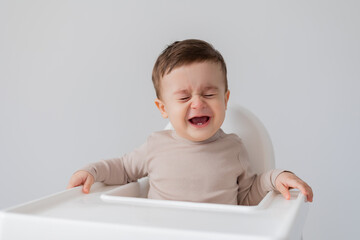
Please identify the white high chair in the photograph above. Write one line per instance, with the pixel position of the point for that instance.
(124, 212)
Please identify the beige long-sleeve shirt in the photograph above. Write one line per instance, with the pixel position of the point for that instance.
(213, 171)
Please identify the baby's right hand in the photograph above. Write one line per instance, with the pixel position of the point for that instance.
(81, 178)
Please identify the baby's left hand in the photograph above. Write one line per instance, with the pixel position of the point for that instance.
(288, 180)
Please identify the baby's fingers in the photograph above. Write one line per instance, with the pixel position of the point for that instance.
(74, 182)
(87, 185)
(81, 178)
(287, 180)
(284, 191)
(305, 190)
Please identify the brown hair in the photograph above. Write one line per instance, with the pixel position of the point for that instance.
(182, 53)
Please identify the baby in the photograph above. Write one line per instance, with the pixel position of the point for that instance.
(196, 161)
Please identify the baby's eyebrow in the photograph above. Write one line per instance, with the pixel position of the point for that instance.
(181, 91)
(184, 91)
(211, 88)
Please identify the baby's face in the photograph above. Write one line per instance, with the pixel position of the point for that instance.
(193, 97)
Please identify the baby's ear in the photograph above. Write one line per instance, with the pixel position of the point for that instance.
(161, 106)
(227, 95)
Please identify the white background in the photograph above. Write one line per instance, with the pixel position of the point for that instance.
(75, 87)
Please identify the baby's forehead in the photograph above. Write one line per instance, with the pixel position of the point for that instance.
(189, 64)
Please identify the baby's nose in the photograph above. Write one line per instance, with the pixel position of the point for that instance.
(197, 102)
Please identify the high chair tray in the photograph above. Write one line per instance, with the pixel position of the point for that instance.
(104, 215)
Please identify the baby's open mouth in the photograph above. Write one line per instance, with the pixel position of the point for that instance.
(198, 121)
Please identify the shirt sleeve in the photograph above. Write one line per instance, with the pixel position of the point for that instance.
(125, 169)
(253, 187)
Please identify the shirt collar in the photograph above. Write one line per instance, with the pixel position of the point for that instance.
(219, 133)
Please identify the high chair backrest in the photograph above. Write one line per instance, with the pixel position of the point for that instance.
(248, 127)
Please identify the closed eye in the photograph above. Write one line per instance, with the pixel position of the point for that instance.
(209, 95)
(184, 98)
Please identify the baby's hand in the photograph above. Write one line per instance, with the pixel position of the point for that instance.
(81, 178)
(288, 180)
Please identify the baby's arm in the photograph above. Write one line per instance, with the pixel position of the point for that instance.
(288, 180)
(81, 178)
(127, 168)
(253, 187)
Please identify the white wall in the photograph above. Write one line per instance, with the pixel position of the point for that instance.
(75, 87)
